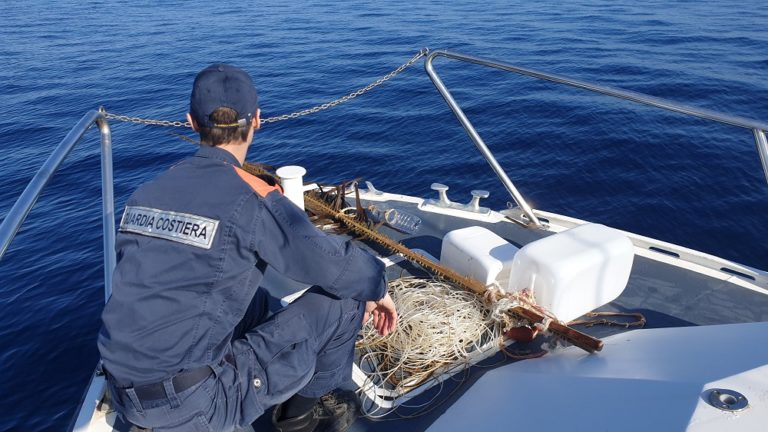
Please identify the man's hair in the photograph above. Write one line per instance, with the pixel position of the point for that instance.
(221, 135)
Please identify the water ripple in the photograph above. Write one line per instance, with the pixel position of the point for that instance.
(657, 174)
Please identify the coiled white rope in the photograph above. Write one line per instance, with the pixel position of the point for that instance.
(439, 326)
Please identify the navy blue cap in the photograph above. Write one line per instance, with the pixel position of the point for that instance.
(222, 85)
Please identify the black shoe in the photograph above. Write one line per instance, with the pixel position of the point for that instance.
(304, 423)
(335, 412)
(338, 410)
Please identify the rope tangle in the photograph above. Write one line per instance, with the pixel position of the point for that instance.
(441, 326)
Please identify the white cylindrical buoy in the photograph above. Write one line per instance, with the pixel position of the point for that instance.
(292, 180)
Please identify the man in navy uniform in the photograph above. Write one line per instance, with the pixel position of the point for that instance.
(187, 343)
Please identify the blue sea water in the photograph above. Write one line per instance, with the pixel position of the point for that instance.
(664, 175)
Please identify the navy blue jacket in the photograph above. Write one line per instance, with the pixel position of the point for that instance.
(187, 252)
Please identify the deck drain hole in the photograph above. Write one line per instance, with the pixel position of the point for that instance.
(736, 273)
(664, 251)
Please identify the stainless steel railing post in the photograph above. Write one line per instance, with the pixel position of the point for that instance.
(477, 140)
(18, 213)
(762, 148)
(107, 204)
(758, 128)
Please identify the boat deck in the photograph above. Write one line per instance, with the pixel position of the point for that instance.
(669, 292)
(667, 295)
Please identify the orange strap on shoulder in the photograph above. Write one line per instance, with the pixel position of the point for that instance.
(258, 185)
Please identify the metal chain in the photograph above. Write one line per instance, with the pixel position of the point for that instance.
(422, 52)
(128, 119)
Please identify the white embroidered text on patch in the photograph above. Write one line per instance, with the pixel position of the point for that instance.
(184, 228)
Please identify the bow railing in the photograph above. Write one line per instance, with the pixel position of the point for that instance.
(758, 128)
(18, 213)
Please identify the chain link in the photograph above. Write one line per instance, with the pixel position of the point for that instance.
(422, 52)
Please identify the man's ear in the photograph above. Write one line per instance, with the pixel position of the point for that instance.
(192, 122)
(257, 119)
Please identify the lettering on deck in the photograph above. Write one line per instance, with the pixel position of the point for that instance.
(184, 228)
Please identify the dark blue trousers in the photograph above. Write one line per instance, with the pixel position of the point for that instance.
(305, 348)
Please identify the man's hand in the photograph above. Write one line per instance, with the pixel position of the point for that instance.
(384, 315)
